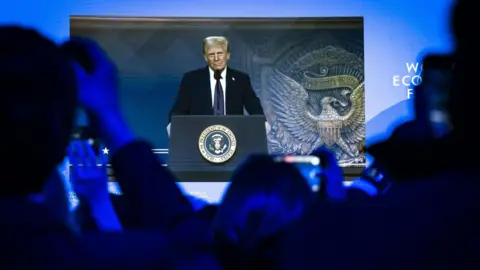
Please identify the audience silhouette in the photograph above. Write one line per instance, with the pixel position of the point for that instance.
(266, 196)
(269, 218)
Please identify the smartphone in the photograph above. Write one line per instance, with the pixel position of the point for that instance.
(436, 86)
(309, 167)
(111, 175)
(85, 133)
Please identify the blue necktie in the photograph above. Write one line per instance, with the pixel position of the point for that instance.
(218, 102)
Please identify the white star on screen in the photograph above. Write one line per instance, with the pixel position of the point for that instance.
(105, 151)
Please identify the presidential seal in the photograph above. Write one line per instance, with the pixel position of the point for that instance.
(217, 144)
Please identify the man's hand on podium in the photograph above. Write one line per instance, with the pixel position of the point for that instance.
(168, 129)
(267, 127)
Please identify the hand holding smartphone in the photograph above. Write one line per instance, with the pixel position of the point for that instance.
(435, 88)
(309, 167)
(84, 133)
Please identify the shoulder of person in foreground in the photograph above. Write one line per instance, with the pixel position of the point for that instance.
(325, 236)
(93, 250)
(195, 232)
(151, 250)
(389, 230)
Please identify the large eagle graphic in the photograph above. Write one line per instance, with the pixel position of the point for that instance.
(322, 125)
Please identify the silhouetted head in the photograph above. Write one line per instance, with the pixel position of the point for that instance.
(411, 131)
(464, 21)
(465, 95)
(36, 111)
(264, 198)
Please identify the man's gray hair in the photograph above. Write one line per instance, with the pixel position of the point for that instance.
(212, 41)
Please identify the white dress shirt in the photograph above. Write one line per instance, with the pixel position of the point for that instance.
(223, 82)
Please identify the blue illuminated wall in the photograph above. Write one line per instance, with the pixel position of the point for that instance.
(396, 33)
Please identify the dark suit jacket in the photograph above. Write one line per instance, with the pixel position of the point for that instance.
(194, 94)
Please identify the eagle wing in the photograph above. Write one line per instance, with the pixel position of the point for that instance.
(289, 101)
(353, 130)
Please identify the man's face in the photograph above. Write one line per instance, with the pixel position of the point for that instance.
(217, 57)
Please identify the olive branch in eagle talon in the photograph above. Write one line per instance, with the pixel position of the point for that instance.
(290, 102)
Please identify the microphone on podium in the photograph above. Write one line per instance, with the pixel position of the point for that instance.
(217, 74)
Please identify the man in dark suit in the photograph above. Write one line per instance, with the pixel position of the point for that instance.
(216, 89)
